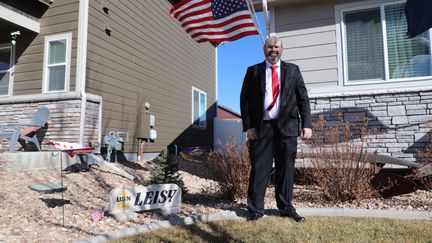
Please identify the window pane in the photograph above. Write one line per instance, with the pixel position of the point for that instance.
(196, 108)
(364, 44)
(203, 107)
(57, 51)
(56, 77)
(5, 54)
(5, 59)
(4, 83)
(407, 57)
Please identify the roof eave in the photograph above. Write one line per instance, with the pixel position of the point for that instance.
(273, 3)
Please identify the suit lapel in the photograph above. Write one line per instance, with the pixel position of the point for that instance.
(262, 77)
(284, 78)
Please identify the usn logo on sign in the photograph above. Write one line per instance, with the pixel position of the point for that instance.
(123, 200)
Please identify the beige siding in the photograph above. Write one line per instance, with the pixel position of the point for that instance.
(318, 63)
(325, 76)
(61, 17)
(147, 58)
(309, 37)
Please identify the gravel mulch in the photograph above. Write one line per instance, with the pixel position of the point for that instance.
(29, 216)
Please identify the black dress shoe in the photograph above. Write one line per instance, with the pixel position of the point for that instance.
(295, 217)
(254, 216)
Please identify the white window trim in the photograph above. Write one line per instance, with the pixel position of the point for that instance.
(199, 107)
(48, 39)
(342, 52)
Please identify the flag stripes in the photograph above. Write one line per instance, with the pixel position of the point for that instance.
(214, 20)
(98, 215)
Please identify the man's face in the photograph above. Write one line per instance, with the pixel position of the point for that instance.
(273, 50)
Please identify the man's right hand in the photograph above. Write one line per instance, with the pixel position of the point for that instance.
(251, 134)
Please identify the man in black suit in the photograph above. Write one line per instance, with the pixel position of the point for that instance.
(272, 101)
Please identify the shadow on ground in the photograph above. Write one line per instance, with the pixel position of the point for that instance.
(54, 202)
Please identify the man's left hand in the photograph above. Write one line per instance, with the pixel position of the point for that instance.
(306, 133)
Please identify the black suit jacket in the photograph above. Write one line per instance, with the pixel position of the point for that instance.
(293, 104)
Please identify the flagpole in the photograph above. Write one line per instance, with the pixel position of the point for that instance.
(266, 17)
(249, 3)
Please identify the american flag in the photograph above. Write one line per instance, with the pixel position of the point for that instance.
(214, 20)
(98, 215)
(71, 148)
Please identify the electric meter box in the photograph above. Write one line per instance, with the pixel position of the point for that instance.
(143, 129)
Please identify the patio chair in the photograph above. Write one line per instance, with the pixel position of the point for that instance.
(25, 133)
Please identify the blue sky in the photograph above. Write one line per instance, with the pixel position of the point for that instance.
(233, 60)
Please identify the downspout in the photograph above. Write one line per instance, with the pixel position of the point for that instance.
(81, 62)
(216, 75)
(216, 95)
(100, 125)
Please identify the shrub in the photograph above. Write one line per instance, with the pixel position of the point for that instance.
(231, 168)
(340, 166)
(425, 158)
(165, 170)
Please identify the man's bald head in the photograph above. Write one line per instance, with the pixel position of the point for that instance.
(273, 48)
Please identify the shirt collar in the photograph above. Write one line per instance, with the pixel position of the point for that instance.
(268, 65)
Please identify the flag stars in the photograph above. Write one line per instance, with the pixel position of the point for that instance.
(223, 8)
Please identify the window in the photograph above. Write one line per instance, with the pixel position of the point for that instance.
(199, 108)
(5, 70)
(376, 49)
(57, 63)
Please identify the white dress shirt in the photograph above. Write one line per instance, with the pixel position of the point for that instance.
(268, 96)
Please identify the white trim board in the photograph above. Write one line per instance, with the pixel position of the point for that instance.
(345, 93)
(19, 19)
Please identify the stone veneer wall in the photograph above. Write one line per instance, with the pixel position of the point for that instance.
(63, 122)
(402, 121)
(92, 129)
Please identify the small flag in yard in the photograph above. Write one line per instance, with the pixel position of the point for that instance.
(98, 215)
(215, 20)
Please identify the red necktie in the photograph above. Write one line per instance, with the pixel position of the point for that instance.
(275, 86)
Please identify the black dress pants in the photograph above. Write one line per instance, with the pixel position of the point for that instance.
(271, 145)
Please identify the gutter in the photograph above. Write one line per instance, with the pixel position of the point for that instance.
(275, 3)
(81, 65)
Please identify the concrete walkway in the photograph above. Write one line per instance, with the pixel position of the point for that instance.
(230, 215)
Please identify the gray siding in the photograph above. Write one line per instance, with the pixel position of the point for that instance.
(147, 58)
(61, 17)
(309, 38)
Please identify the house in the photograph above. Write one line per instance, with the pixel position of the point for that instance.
(104, 66)
(356, 60)
(224, 112)
(228, 128)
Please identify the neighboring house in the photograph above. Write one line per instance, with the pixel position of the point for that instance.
(106, 65)
(356, 60)
(224, 112)
(228, 127)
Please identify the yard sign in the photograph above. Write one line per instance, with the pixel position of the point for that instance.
(141, 198)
